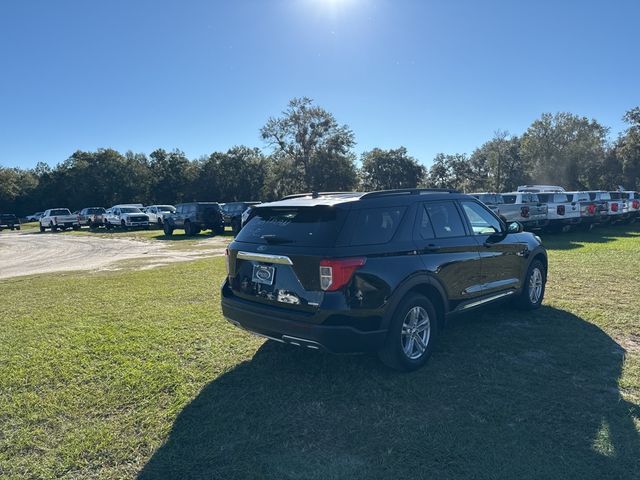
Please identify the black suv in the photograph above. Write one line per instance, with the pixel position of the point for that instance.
(232, 214)
(353, 272)
(9, 220)
(195, 217)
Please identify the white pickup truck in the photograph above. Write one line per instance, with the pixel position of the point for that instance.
(524, 207)
(58, 219)
(562, 213)
(126, 216)
(632, 204)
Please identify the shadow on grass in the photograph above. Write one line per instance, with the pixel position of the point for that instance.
(505, 395)
(599, 235)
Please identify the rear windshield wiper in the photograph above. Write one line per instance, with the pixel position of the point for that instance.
(275, 239)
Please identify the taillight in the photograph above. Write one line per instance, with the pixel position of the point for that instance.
(560, 209)
(591, 209)
(336, 273)
(614, 207)
(524, 211)
(635, 204)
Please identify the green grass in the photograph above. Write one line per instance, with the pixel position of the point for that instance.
(135, 374)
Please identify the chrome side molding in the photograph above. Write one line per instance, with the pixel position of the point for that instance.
(265, 258)
(488, 299)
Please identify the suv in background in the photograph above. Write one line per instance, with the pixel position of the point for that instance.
(10, 221)
(232, 214)
(92, 217)
(381, 271)
(195, 217)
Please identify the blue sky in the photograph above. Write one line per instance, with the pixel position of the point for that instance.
(434, 76)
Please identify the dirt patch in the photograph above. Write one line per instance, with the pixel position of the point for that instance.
(35, 253)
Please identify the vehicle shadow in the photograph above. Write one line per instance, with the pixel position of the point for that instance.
(505, 395)
(599, 235)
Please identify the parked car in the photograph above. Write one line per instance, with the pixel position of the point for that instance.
(617, 208)
(377, 271)
(58, 219)
(562, 213)
(125, 217)
(34, 217)
(605, 205)
(195, 217)
(491, 200)
(590, 214)
(232, 214)
(92, 217)
(10, 221)
(156, 213)
(632, 203)
(524, 207)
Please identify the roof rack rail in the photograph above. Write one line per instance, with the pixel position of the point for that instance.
(316, 194)
(408, 191)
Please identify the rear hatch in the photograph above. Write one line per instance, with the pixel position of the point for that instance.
(276, 257)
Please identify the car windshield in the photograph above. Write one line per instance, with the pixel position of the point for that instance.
(309, 226)
(60, 211)
(130, 210)
(166, 208)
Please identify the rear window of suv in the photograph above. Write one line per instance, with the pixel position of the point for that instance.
(309, 226)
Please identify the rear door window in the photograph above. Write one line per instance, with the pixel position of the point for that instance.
(445, 220)
(375, 226)
(316, 226)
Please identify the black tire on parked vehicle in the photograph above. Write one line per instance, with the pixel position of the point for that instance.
(42, 229)
(76, 227)
(533, 289)
(189, 229)
(18, 227)
(412, 334)
(168, 231)
(123, 225)
(53, 227)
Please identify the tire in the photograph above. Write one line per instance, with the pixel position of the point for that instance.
(18, 227)
(188, 229)
(532, 296)
(123, 225)
(402, 351)
(108, 226)
(42, 229)
(53, 227)
(76, 227)
(168, 231)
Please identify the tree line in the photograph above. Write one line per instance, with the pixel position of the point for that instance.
(308, 150)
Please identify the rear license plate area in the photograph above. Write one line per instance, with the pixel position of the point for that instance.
(263, 274)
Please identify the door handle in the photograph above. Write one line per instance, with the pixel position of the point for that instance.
(431, 248)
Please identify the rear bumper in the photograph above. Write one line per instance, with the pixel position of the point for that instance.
(295, 328)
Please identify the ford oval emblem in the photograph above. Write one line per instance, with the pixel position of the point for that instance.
(263, 274)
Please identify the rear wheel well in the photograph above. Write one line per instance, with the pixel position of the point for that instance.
(433, 294)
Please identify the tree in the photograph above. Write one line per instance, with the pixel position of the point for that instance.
(388, 169)
(451, 171)
(497, 165)
(308, 141)
(565, 149)
(235, 175)
(627, 150)
(172, 174)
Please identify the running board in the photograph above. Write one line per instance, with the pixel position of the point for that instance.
(482, 301)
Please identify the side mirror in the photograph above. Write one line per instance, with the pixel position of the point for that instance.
(515, 227)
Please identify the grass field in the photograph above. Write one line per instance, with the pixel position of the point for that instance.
(131, 374)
